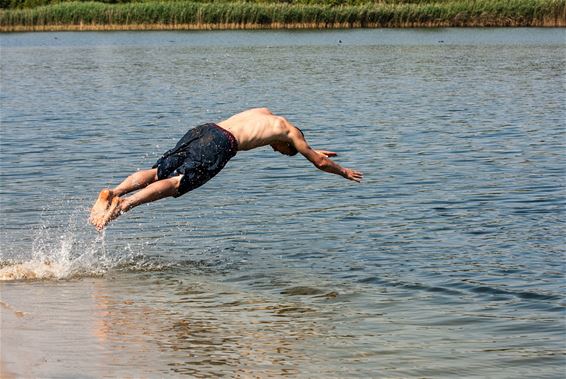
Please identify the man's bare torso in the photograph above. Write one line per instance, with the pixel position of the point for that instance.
(255, 127)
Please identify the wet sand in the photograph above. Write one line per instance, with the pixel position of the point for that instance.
(139, 326)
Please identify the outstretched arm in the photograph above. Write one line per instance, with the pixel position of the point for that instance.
(319, 158)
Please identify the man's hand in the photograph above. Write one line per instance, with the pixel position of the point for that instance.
(321, 158)
(327, 154)
(354, 175)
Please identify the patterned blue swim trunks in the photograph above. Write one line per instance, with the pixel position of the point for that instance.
(198, 156)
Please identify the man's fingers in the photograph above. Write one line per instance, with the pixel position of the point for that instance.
(356, 176)
(327, 153)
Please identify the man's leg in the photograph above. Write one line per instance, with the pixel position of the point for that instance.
(155, 191)
(137, 180)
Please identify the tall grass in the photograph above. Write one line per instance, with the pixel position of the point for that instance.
(195, 15)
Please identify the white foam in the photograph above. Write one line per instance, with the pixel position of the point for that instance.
(61, 252)
(73, 249)
(70, 258)
(34, 270)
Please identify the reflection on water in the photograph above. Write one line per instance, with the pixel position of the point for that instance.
(160, 326)
(447, 261)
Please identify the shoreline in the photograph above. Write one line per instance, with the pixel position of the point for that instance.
(187, 15)
(274, 26)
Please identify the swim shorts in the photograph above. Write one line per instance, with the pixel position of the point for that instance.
(198, 156)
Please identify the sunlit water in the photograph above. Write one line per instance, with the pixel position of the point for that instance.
(447, 261)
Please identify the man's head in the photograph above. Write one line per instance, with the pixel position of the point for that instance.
(286, 148)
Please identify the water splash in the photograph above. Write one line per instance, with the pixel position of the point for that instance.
(61, 252)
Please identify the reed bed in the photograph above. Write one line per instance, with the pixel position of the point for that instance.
(199, 15)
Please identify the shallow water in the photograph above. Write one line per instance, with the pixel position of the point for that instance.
(446, 261)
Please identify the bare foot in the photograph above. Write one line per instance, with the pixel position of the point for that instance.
(112, 212)
(101, 206)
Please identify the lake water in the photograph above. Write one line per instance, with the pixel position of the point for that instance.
(447, 261)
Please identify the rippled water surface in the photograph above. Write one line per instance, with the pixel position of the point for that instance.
(447, 261)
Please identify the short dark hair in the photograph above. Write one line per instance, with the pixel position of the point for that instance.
(292, 149)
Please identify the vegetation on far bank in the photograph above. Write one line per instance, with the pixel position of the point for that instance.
(75, 15)
(13, 4)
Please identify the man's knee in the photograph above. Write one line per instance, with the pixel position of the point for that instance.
(155, 176)
(174, 185)
(175, 181)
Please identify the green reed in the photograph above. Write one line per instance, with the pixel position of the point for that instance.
(179, 14)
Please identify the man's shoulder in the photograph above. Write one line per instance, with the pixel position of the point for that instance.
(262, 110)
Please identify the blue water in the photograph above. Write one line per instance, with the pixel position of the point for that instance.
(447, 261)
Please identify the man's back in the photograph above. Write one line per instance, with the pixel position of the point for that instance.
(255, 127)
